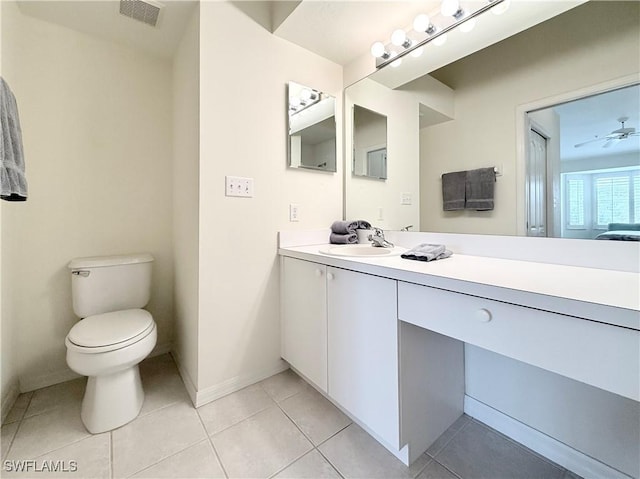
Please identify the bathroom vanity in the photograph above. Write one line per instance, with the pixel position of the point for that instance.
(383, 337)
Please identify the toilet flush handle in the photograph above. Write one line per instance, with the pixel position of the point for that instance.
(81, 272)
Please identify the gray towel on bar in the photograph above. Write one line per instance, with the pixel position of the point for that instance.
(479, 189)
(453, 190)
(349, 227)
(13, 183)
(349, 238)
(427, 252)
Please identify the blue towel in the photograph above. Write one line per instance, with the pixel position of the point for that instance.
(427, 252)
(13, 183)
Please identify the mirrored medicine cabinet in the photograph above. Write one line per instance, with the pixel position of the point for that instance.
(312, 128)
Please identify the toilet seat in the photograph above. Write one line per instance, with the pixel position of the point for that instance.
(110, 331)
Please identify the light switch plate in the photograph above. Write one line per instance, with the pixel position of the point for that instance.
(238, 186)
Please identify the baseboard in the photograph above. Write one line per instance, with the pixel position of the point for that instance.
(38, 381)
(9, 396)
(186, 378)
(236, 383)
(544, 445)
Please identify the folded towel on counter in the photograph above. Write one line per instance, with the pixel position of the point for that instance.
(13, 183)
(349, 227)
(349, 238)
(479, 189)
(453, 190)
(427, 252)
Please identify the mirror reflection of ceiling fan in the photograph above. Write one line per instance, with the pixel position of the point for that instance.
(615, 137)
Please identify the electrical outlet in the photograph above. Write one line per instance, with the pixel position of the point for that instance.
(294, 212)
(405, 198)
(238, 186)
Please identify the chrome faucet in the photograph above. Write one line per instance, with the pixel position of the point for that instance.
(378, 240)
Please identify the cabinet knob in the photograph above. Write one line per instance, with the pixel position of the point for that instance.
(318, 272)
(483, 315)
(330, 275)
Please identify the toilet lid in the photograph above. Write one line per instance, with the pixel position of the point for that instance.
(110, 328)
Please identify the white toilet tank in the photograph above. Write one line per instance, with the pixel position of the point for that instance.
(101, 284)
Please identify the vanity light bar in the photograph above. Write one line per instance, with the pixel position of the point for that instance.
(385, 56)
(305, 99)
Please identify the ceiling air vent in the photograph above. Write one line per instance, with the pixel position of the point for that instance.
(144, 11)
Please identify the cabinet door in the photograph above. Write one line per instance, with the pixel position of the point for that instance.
(363, 349)
(304, 318)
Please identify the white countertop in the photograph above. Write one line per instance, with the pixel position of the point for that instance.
(606, 296)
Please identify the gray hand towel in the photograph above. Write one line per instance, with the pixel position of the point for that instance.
(344, 227)
(349, 238)
(427, 252)
(479, 189)
(349, 227)
(13, 183)
(453, 190)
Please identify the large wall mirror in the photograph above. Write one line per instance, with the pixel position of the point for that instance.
(484, 110)
(369, 143)
(312, 128)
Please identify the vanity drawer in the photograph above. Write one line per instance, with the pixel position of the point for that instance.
(599, 354)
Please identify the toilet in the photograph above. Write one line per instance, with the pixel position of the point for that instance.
(113, 336)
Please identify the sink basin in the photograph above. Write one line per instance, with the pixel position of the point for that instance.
(360, 250)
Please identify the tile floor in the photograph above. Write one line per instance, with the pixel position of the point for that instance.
(278, 428)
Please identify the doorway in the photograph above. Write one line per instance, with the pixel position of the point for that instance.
(582, 165)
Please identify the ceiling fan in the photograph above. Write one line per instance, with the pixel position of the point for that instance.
(615, 137)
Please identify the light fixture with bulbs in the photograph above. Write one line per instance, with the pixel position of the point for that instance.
(423, 24)
(304, 99)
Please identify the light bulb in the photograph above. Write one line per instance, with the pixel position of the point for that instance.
(449, 7)
(501, 8)
(377, 49)
(421, 23)
(468, 25)
(398, 37)
(305, 94)
(416, 52)
(441, 40)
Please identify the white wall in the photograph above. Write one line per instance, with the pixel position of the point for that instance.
(366, 196)
(590, 44)
(186, 193)
(96, 123)
(620, 160)
(243, 132)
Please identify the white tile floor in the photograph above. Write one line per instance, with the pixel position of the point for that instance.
(278, 428)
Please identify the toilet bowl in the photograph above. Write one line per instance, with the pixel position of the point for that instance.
(110, 356)
(108, 343)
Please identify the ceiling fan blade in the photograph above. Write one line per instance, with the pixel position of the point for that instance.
(611, 142)
(589, 141)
